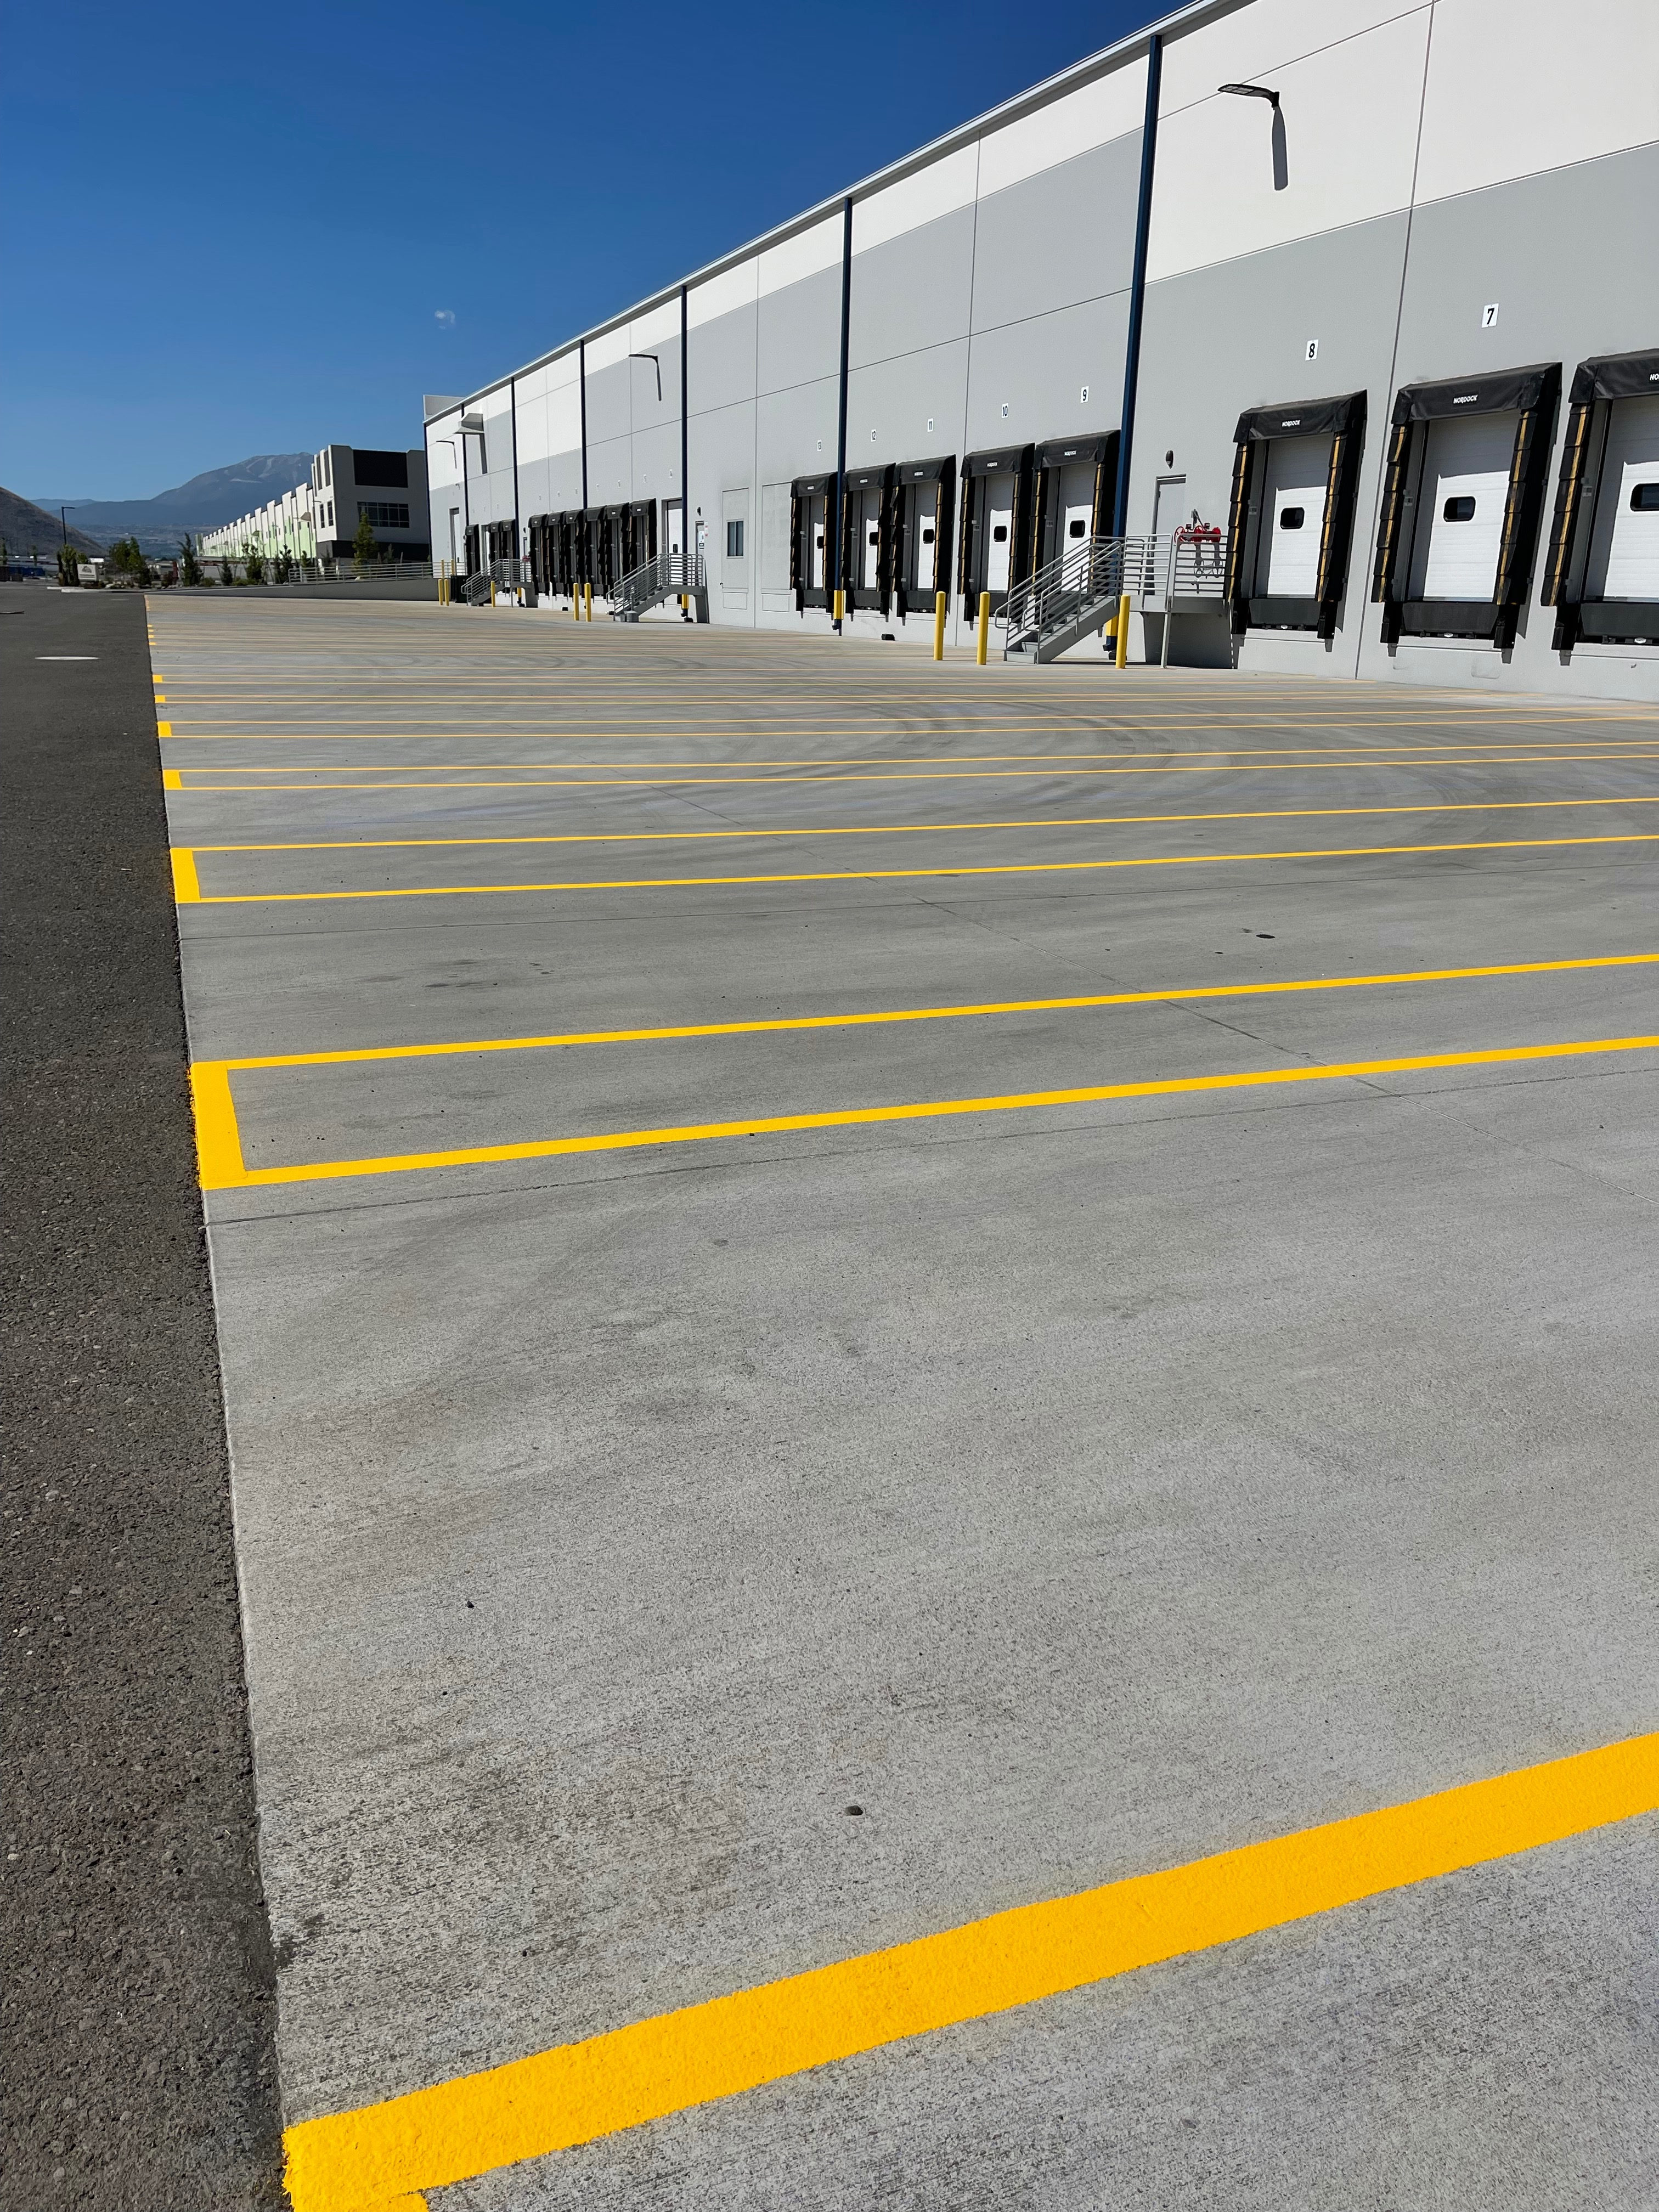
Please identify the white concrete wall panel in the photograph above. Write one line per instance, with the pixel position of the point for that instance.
(922, 197)
(1350, 116)
(1110, 107)
(1246, 45)
(1063, 235)
(795, 259)
(1528, 86)
(729, 293)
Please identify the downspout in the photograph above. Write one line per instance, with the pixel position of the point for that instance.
(685, 462)
(581, 381)
(513, 424)
(1137, 283)
(840, 584)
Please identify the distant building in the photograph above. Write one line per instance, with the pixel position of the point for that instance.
(318, 521)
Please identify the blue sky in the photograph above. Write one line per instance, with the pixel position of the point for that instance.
(244, 221)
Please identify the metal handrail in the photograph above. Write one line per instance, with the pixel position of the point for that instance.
(1195, 567)
(662, 575)
(1090, 572)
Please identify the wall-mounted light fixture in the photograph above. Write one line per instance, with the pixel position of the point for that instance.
(1281, 157)
(655, 364)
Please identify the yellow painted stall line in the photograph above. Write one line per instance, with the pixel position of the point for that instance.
(884, 1016)
(928, 776)
(927, 828)
(382, 2155)
(222, 1166)
(1381, 756)
(890, 875)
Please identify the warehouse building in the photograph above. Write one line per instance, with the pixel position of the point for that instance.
(318, 521)
(1327, 330)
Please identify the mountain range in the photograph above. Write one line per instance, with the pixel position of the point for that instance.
(217, 495)
(27, 528)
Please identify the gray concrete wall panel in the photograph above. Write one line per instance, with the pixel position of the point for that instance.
(800, 331)
(895, 400)
(1064, 235)
(723, 360)
(1039, 371)
(795, 431)
(913, 290)
(610, 401)
(1234, 335)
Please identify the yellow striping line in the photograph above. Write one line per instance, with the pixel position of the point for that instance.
(1361, 753)
(170, 780)
(927, 828)
(932, 1013)
(186, 885)
(220, 1155)
(365, 2161)
(164, 729)
(898, 875)
(930, 775)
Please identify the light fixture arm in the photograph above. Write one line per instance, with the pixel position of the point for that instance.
(655, 364)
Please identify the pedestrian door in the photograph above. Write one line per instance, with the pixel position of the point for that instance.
(1293, 513)
(1624, 551)
(1465, 488)
(673, 535)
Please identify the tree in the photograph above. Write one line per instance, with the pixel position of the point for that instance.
(253, 566)
(363, 548)
(126, 557)
(190, 569)
(69, 565)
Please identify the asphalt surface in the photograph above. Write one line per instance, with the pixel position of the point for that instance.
(137, 2012)
(1073, 1489)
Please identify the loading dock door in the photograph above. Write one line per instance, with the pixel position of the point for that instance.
(999, 533)
(1293, 515)
(1077, 505)
(924, 498)
(1466, 480)
(869, 558)
(1624, 551)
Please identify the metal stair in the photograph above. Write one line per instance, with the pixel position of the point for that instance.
(668, 576)
(1073, 596)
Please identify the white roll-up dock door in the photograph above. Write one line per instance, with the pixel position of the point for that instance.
(1466, 482)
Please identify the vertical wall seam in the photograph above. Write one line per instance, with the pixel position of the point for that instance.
(1399, 321)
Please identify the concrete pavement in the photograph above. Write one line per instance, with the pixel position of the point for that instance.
(1073, 1489)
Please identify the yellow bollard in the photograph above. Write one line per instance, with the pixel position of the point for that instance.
(841, 609)
(1123, 631)
(939, 626)
(984, 627)
(587, 600)
(575, 603)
